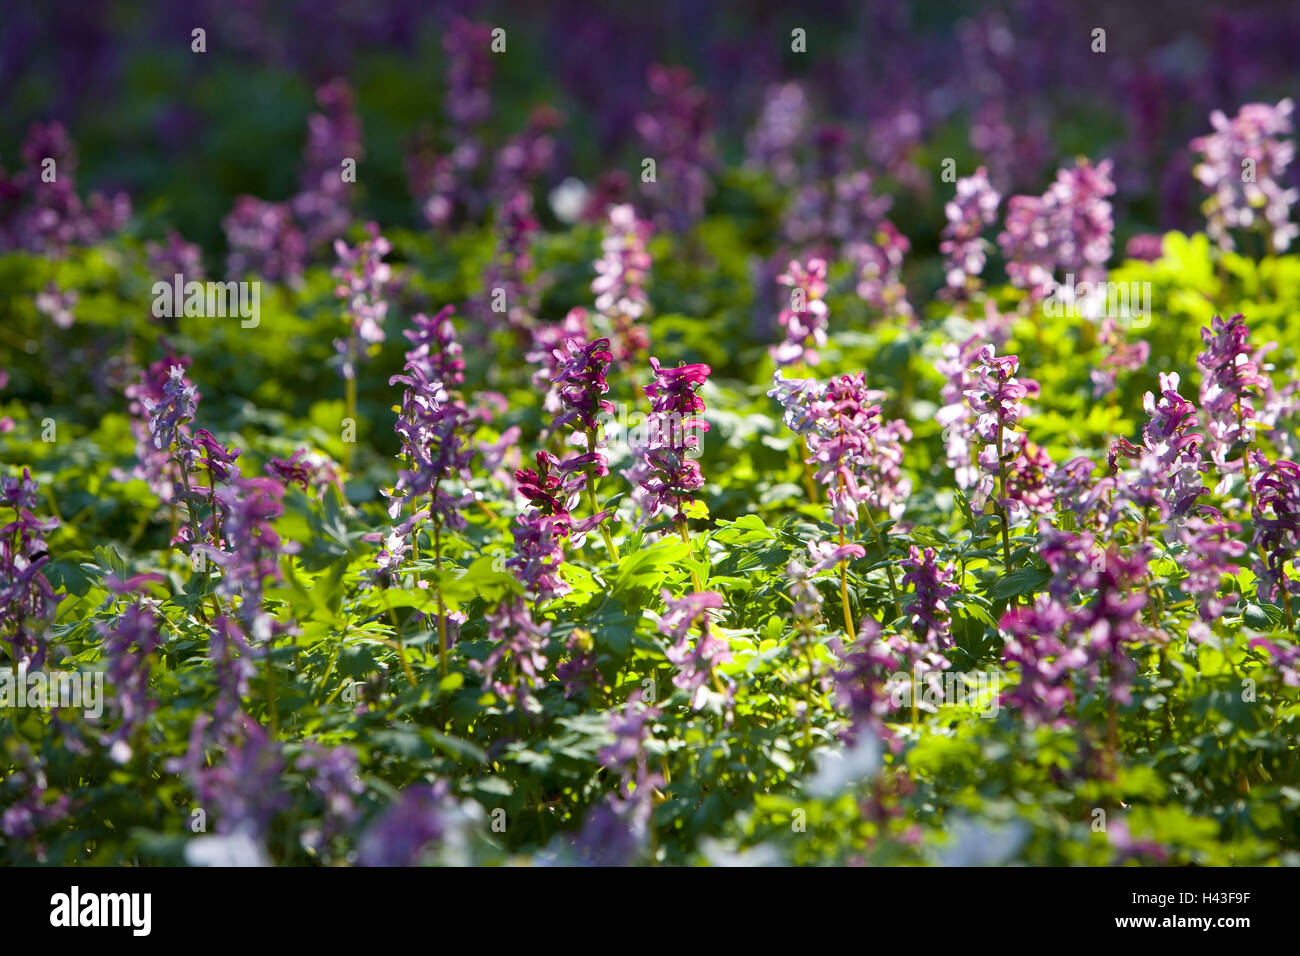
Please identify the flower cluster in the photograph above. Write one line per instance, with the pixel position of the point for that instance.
(249, 506)
(696, 661)
(928, 610)
(804, 319)
(27, 601)
(1053, 639)
(1276, 512)
(1243, 167)
(1213, 550)
(545, 352)
(973, 208)
(154, 465)
(1230, 380)
(322, 207)
(857, 456)
(309, 470)
(996, 396)
(505, 289)
(415, 825)
(677, 132)
(1118, 355)
(363, 281)
(264, 240)
(778, 132)
(275, 239)
(618, 829)
(671, 474)
(1067, 229)
(879, 266)
(40, 210)
(619, 286)
(128, 647)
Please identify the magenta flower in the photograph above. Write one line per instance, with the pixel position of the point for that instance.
(997, 397)
(544, 355)
(672, 475)
(928, 610)
(804, 319)
(309, 470)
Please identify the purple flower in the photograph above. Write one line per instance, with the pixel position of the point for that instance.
(1118, 355)
(1230, 380)
(974, 207)
(580, 378)
(1243, 167)
(782, 125)
(996, 396)
(264, 240)
(672, 475)
(577, 672)
(619, 286)
(128, 647)
(250, 505)
(412, 827)
(30, 804)
(27, 601)
(1276, 513)
(1212, 551)
(516, 665)
(45, 217)
(175, 408)
(175, 256)
(154, 464)
(363, 282)
(696, 661)
(322, 206)
(333, 775)
(307, 469)
(677, 133)
(244, 788)
(928, 610)
(505, 286)
(880, 265)
(855, 454)
(626, 755)
(545, 355)
(804, 319)
(1068, 229)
